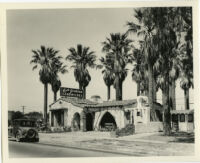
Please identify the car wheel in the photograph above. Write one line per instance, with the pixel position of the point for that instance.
(37, 140)
(18, 137)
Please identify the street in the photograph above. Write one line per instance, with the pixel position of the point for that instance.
(24, 150)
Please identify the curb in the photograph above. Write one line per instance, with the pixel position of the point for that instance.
(91, 149)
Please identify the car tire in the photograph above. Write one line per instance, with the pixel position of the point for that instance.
(18, 137)
(36, 139)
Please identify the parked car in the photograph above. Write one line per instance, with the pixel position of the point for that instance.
(24, 129)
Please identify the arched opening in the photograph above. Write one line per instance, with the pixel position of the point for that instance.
(108, 122)
(76, 122)
(89, 122)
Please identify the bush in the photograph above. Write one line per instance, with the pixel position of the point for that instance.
(127, 130)
(67, 129)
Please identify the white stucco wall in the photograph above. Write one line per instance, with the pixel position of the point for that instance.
(69, 111)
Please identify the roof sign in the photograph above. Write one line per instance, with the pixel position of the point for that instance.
(71, 92)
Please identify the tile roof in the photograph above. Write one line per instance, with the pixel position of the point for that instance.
(85, 103)
(181, 111)
(90, 104)
(114, 103)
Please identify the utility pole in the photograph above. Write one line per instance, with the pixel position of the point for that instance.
(23, 107)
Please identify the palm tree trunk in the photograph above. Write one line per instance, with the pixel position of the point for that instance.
(55, 96)
(117, 89)
(186, 97)
(166, 109)
(154, 90)
(121, 89)
(172, 95)
(138, 89)
(84, 92)
(150, 95)
(150, 74)
(108, 93)
(45, 102)
(81, 88)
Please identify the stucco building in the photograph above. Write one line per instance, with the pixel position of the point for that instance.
(88, 115)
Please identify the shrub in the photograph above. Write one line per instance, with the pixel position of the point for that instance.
(67, 129)
(127, 130)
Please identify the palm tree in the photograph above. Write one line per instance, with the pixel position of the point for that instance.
(55, 86)
(145, 29)
(108, 74)
(81, 59)
(187, 57)
(57, 67)
(138, 69)
(118, 46)
(43, 59)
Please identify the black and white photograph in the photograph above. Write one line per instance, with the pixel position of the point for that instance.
(100, 82)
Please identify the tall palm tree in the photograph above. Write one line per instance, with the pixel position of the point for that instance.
(57, 67)
(187, 58)
(81, 59)
(145, 29)
(138, 74)
(118, 46)
(108, 74)
(55, 86)
(43, 59)
(168, 46)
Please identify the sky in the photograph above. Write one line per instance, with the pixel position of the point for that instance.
(62, 29)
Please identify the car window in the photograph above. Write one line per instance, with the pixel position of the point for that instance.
(27, 123)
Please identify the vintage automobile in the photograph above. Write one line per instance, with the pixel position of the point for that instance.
(24, 129)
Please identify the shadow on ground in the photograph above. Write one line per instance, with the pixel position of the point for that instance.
(183, 137)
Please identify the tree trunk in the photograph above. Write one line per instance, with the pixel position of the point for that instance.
(138, 89)
(150, 74)
(84, 92)
(108, 93)
(166, 111)
(163, 98)
(117, 89)
(55, 96)
(153, 116)
(121, 89)
(186, 97)
(172, 95)
(45, 102)
(154, 90)
(81, 88)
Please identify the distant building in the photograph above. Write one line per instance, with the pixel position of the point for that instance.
(182, 120)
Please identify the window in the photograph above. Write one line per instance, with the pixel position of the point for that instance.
(190, 118)
(138, 113)
(182, 118)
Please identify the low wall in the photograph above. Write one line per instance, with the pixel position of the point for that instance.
(149, 127)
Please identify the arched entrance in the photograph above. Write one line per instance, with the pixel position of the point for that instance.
(89, 122)
(76, 122)
(107, 122)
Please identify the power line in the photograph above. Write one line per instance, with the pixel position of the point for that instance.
(23, 107)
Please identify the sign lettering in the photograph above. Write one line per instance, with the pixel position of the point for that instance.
(71, 92)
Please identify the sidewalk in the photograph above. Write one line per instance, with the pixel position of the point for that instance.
(136, 145)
